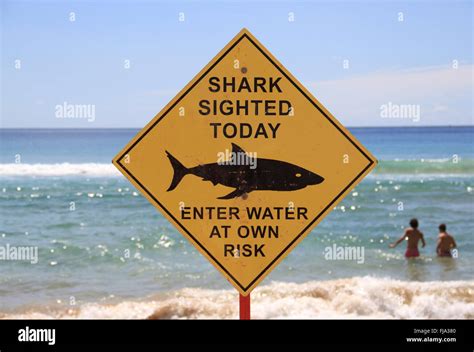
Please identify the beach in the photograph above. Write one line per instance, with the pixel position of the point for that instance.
(104, 252)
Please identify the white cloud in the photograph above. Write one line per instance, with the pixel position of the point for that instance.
(444, 94)
(440, 108)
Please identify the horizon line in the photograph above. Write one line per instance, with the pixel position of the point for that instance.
(138, 128)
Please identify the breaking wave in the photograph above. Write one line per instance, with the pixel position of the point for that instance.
(63, 169)
(352, 298)
(432, 167)
(444, 166)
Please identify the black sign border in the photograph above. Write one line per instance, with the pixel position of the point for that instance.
(245, 288)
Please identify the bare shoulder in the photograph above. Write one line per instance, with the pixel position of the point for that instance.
(417, 234)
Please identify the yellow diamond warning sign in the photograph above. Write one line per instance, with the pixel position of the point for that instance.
(244, 161)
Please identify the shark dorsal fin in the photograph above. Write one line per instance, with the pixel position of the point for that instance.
(236, 149)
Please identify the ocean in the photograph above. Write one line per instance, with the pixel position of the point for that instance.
(105, 252)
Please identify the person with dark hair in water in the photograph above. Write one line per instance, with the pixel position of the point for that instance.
(412, 235)
(445, 242)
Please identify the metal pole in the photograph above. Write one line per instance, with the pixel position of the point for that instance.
(244, 304)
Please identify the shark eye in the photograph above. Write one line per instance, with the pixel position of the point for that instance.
(298, 175)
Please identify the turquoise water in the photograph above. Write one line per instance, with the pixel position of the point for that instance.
(83, 253)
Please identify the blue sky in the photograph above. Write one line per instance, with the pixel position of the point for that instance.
(82, 62)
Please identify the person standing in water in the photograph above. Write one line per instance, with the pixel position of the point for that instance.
(445, 242)
(412, 235)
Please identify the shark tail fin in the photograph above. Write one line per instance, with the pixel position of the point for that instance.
(179, 171)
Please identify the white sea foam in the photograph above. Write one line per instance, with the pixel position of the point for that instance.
(63, 169)
(425, 160)
(407, 177)
(384, 171)
(353, 298)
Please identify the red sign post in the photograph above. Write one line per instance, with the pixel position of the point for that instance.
(244, 305)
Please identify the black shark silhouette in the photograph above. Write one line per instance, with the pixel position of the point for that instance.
(268, 175)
